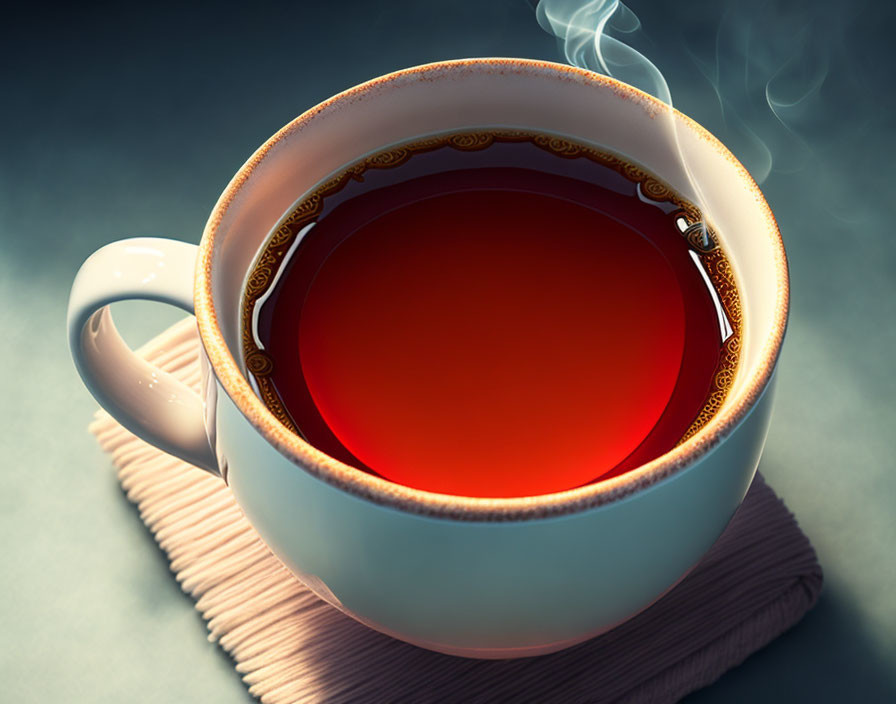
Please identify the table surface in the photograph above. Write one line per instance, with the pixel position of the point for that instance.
(122, 121)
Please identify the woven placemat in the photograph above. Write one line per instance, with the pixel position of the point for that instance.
(757, 581)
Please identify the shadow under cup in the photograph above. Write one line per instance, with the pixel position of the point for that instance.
(490, 577)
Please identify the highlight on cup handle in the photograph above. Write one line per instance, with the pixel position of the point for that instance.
(149, 402)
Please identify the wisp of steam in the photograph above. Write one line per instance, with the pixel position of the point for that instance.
(765, 84)
(583, 29)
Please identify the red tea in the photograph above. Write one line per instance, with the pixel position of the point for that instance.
(493, 314)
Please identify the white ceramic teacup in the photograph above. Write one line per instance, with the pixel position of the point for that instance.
(470, 576)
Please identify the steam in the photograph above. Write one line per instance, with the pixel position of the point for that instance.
(585, 31)
(765, 68)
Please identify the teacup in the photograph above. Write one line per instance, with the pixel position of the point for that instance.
(478, 577)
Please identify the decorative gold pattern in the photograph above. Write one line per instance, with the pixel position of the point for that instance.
(720, 273)
(699, 236)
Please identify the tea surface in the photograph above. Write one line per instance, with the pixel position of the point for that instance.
(495, 314)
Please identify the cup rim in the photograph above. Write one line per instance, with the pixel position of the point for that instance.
(408, 499)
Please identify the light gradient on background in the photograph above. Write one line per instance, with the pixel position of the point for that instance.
(130, 121)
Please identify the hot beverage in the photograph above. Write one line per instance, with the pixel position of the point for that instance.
(492, 314)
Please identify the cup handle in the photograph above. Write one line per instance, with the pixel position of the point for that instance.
(149, 402)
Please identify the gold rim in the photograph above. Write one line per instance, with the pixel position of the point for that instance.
(387, 493)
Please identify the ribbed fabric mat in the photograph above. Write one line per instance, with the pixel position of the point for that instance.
(757, 581)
